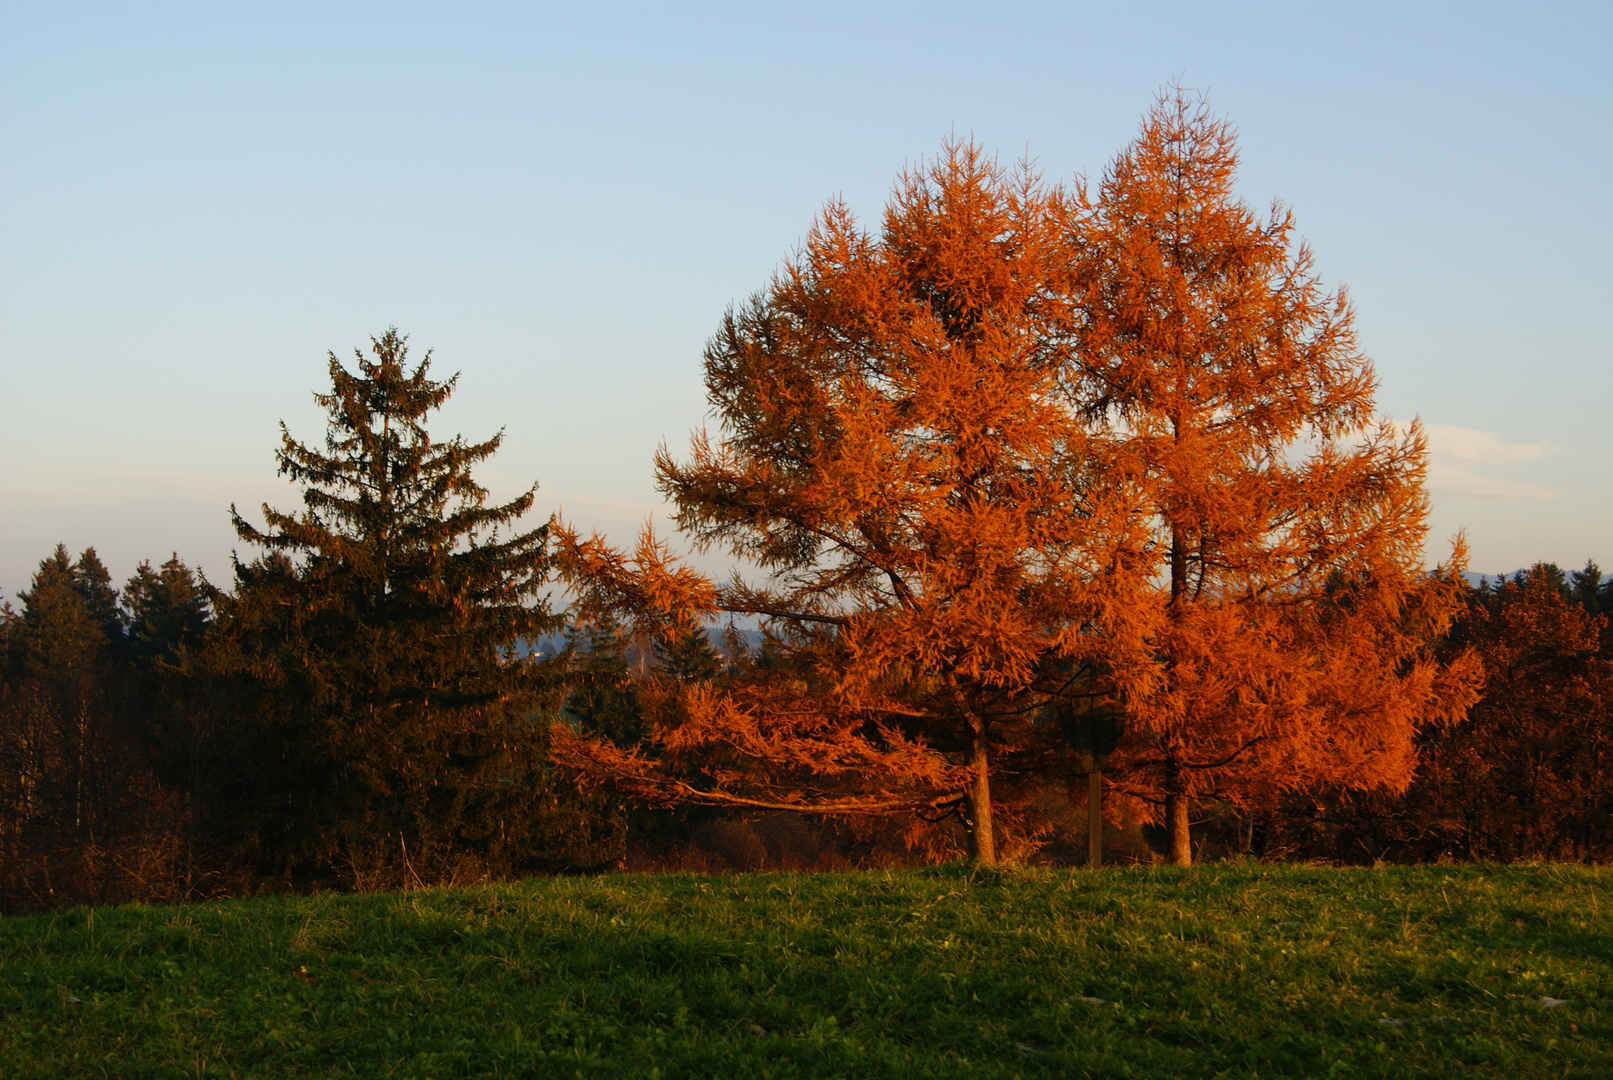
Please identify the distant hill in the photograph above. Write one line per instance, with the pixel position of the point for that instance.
(1475, 578)
(553, 644)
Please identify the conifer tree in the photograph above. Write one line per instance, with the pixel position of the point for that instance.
(1588, 588)
(690, 658)
(1021, 447)
(69, 622)
(168, 611)
(1292, 629)
(383, 630)
(94, 584)
(899, 451)
(601, 698)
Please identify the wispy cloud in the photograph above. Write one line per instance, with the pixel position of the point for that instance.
(1463, 463)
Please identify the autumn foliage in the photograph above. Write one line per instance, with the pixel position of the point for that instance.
(1021, 447)
(1291, 627)
(900, 454)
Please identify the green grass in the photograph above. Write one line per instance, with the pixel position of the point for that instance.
(1225, 970)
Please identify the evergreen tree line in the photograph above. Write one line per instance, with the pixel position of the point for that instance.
(365, 708)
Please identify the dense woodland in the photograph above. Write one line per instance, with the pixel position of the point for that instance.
(1030, 479)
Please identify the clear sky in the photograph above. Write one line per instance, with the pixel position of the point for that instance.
(196, 202)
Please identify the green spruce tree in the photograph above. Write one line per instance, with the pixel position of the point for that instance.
(402, 736)
(690, 658)
(601, 695)
(1588, 589)
(168, 612)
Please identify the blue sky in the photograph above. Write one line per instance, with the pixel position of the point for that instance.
(196, 202)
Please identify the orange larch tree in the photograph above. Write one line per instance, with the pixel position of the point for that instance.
(757, 737)
(1292, 625)
(945, 542)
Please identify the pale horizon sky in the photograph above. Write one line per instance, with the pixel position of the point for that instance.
(198, 201)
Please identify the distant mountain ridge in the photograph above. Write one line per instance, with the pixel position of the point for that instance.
(1476, 579)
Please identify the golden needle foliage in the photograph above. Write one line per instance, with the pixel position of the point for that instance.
(1292, 625)
(1021, 446)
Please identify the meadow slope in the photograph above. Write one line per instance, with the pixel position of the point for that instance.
(1225, 970)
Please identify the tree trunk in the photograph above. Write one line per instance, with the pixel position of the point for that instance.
(1176, 830)
(1181, 849)
(981, 839)
(1095, 817)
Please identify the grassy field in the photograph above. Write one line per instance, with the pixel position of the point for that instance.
(1225, 970)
